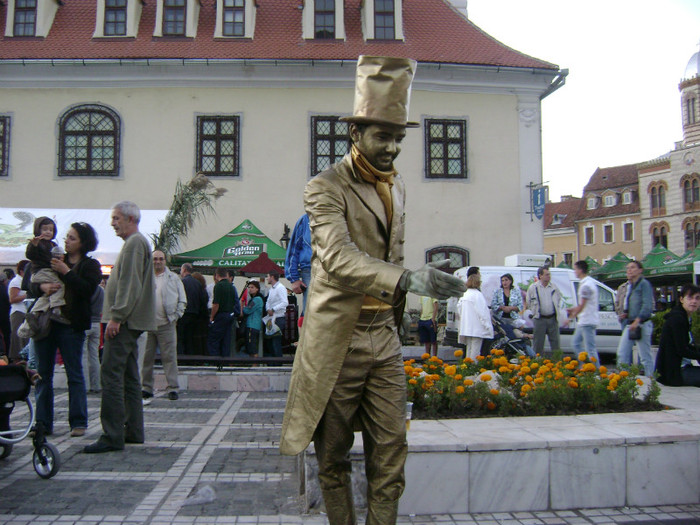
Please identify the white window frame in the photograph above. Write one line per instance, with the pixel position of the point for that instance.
(133, 16)
(308, 23)
(612, 233)
(45, 12)
(563, 257)
(609, 201)
(248, 22)
(192, 8)
(627, 197)
(623, 231)
(368, 20)
(591, 203)
(585, 228)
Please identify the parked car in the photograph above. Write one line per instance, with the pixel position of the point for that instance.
(607, 334)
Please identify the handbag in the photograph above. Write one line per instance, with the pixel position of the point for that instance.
(634, 334)
(39, 324)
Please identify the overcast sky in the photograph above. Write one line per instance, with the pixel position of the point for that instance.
(621, 103)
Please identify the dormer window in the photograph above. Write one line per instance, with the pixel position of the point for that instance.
(234, 18)
(29, 17)
(591, 203)
(174, 17)
(177, 18)
(25, 18)
(557, 219)
(609, 201)
(382, 19)
(323, 20)
(627, 197)
(115, 18)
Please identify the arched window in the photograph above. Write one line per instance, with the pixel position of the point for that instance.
(458, 257)
(662, 197)
(89, 142)
(695, 191)
(654, 198)
(659, 233)
(687, 193)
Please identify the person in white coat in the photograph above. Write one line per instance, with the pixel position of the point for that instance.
(475, 317)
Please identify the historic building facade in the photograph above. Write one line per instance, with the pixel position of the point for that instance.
(104, 100)
(560, 232)
(670, 185)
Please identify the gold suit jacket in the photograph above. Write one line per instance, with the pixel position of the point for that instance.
(355, 253)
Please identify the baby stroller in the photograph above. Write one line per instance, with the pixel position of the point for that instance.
(15, 386)
(506, 339)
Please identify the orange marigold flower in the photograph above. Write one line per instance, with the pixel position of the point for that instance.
(592, 359)
(573, 384)
(450, 370)
(603, 376)
(435, 377)
(570, 366)
(480, 358)
(468, 382)
(534, 366)
(526, 388)
(539, 380)
(640, 382)
(434, 358)
(512, 380)
(566, 359)
(624, 373)
(425, 356)
(458, 377)
(491, 405)
(412, 382)
(583, 356)
(459, 353)
(525, 370)
(408, 369)
(468, 360)
(459, 390)
(588, 367)
(486, 377)
(603, 370)
(494, 391)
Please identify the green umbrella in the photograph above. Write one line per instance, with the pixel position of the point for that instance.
(614, 268)
(237, 248)
(684, 265)
(592, 263)
(564, 265)
(659, 261)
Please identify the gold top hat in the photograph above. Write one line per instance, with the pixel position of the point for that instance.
(382, 91)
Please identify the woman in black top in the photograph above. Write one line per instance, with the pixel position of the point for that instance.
(677, 345)
(80, 275)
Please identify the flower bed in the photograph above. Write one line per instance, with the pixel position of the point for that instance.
(523, 386)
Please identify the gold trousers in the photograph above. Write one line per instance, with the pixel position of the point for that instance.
(370, 394)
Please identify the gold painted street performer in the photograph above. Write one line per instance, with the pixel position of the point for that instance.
(348, 372)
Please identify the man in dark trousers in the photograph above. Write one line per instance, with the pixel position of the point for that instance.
(223, 307)
(196, 305)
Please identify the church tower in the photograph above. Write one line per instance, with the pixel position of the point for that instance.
(690, 101)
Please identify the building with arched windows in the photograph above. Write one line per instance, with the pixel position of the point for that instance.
(104, 100)
(669, 186)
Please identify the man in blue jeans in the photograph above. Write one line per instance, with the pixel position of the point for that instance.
(297, 265)
(638, 305)
(586, 311)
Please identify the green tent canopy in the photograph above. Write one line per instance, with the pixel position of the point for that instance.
(614, 268)
(237, 248)
(564, 265)
(592, 263)
(684, 265)
(659, 261)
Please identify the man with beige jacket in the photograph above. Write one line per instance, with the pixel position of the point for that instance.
(348, 370)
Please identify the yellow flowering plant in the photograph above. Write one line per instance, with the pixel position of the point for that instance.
(496, 385)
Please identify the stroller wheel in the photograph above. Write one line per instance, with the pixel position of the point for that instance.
(6, 450)
(47, 460)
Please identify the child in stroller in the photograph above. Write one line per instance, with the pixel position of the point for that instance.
(509, 338)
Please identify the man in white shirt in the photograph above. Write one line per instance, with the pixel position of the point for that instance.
(171, 302)
(277, 306)
(17, 311)
(587, 312)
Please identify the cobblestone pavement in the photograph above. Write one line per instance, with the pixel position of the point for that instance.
(223, 440)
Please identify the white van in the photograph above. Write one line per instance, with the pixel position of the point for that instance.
(607, 334)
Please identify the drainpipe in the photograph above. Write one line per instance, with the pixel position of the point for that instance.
(558, 82)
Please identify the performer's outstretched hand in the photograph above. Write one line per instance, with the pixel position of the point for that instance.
(430, 281)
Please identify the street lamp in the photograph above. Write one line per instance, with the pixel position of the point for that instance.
(284, 240)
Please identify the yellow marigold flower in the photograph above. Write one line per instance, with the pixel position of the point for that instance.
(408, 369)
(504, 370)
(434, 359)
(468, 360)
(558, 375)
(570, 366)
(500, 352)
(526, 388)
(582, 356)
(528, 379)
(624, 373)
(425, 356)
(494, 391)
(459, 390)
(412, 382)
(486, 377)
(588, 367)
(539, 380)
(525, 370)
(468, 382)
(566, 359)
(450, 370)
(491, 405)
(640, 382)
(534, 366)
(603, 370)
(493, 351)
(458, 377)
(459, 353)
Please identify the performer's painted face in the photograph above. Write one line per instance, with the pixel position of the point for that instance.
(380, 144)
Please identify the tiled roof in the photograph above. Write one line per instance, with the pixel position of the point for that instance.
(434, 32)
(615, 178)
(566, 210)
